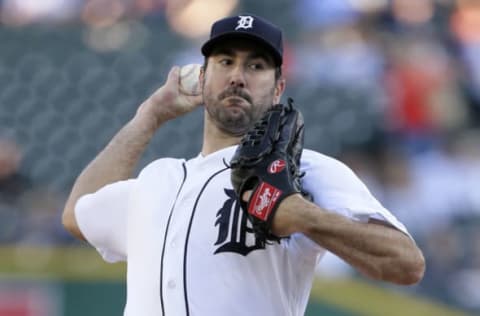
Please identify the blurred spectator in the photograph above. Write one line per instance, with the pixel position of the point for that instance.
(28, 213)
(23, 12)
(425, 98)
(13, 187)
(465, 25)
(466, 148)
(333, 49)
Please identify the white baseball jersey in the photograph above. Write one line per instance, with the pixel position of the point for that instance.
(190, 249)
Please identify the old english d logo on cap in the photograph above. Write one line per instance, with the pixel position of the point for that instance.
(250, 27)
(244, 22)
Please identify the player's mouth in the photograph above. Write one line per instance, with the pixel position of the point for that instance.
(235, 100)
(236, 95)
(236, 104)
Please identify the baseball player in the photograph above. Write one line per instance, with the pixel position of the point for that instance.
(183, 227)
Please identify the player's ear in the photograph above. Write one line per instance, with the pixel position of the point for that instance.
(279, 89)
(201, 77)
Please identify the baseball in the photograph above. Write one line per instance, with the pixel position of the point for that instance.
(188, 79)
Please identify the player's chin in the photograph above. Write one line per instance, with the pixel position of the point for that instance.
(236, 117)
(237, 111)
(236, 125)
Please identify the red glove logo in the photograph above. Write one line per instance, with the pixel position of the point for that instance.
(263, 201)
(276, 166)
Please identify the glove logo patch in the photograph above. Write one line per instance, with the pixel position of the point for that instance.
(277, 166)
(263, 201)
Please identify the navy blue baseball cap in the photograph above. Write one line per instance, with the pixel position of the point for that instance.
(250, 27)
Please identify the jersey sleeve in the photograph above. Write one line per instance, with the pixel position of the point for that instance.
(337, 188)
(102, 219)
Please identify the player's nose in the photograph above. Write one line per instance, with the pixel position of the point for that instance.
(237, 77)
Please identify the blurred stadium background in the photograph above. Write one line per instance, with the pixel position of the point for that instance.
(391, 87)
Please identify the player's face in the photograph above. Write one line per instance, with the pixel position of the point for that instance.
(239, 85)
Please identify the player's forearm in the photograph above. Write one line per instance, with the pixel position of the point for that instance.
(115, 162)
(380, 252)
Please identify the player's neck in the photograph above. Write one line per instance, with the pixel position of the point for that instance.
(214, 140)
(211, 146)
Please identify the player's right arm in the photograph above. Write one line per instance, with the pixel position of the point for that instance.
(118, 159)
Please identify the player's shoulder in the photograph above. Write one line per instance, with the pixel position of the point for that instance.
(313, 159)
(326, 168)
(162, 165)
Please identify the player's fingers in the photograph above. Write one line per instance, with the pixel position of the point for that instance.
(246, 195)
(173, 75)
(172, 79)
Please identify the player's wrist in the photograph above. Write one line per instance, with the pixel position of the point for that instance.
(305, 215)
(288, 218)
(150, 115)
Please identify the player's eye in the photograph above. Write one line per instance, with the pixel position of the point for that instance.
(257, 66)
(225, 61)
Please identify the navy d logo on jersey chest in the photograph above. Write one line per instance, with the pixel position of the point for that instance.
(234, 231)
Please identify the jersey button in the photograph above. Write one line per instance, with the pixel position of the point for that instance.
(172, 284)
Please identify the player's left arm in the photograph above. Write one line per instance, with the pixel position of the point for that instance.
(376, 249)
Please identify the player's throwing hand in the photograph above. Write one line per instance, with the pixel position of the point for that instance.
(169, 101)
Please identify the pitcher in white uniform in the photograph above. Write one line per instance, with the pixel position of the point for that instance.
(188, 244)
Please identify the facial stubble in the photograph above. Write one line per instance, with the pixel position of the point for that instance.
(236, 122)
